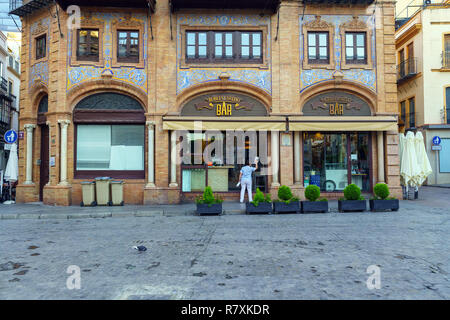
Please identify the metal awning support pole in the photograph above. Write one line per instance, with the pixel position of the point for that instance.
(170, 18)
(150, 17)
(57, 16)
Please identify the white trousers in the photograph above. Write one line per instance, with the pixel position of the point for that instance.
(246, 183)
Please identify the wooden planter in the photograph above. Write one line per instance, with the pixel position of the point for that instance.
(314, 206)
(281, 207)
(263, 207)
(382, 205)
(352, 205)
(214, 209)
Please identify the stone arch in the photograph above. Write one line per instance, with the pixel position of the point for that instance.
(346, 86)
(99, 86)
(223, 86)
(36, 96)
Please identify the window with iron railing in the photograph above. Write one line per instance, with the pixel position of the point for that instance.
(446, 59)
(406, 68)
(14, 4)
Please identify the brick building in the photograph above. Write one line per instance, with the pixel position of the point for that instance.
(314, 81)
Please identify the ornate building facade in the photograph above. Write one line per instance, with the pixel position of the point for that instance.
(314, 81)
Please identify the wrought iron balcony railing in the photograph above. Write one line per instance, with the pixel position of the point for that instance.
(446, 59)
(406, 69)
(4, 85)
(14, 4)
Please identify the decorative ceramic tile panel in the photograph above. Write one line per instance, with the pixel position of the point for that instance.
(187, 77)
(367, 78)
(131, 75)
(39, 71)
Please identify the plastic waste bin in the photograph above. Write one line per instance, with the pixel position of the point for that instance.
(117, 193)
(88, 191)
(102, 191)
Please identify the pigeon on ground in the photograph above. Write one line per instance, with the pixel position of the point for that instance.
(140, 248)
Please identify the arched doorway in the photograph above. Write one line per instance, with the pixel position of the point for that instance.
(109, 137)
(44, 169)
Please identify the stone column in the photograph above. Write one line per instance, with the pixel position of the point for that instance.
(151, 154)
(29, 161)
(297, 158)
(380, 150)
(49, 151)
(63, 157)
(173, 159)
(275, 157)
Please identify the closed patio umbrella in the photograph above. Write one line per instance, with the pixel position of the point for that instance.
(422, 160)
(409, 168)
(12, 170)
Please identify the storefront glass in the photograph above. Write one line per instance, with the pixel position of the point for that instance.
(328, 165)
(222, 170)
(110, 147)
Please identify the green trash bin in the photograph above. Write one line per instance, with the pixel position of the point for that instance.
(117, 193)
(88, 192)
(102, 191)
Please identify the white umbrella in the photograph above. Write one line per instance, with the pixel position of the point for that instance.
(422, 160)
(12, 170)
(409, 169)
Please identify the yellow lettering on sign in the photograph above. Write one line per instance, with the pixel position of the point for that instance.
(223, 109)
(336, 109)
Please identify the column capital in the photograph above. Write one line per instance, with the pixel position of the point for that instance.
(47, 123)
(29, 127)
(150, 124)
(64, 123)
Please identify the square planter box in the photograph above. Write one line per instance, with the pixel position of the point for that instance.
(352, 205)
(263, 207)
(210, 210)
(314, 206)
(281, 207)
(382, 205)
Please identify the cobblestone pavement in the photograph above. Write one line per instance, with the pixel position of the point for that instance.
(295, 256)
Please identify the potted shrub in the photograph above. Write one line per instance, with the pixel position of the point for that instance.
(208, 204)
(261, 203)
(380, 201)
(314, 205)
(353, 201)
(286, 203)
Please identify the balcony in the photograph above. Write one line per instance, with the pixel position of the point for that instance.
(446, 59)
(14, 4)
(4, 85)
(406, 70)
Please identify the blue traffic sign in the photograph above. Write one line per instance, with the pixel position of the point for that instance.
(10, 136)
(436, 140)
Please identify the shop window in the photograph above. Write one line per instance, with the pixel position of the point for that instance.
(318, 48)
(88, 44)
(334, 160)
(355, 48)
(224, 46)
(222, 170)
(41, 47)
(128, 46)
(444, 156)
(110, 147)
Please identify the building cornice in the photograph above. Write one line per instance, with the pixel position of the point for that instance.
(407, 35)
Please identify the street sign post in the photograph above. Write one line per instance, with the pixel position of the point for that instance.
(10, 136)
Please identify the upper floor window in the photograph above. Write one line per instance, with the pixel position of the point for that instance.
(318, 47)
(412, 113)
(128, 46)
(224, 46)
(355, 47)
(41, 44)
(88, 45)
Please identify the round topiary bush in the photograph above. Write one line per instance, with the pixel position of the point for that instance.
(381, 190)
(284, 193)
(352, 192)
(312, 192)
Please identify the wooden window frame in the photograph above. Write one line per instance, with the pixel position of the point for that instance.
(36, 41)
(87, 24)
(357, 26)
(355, 48)
(412, 113)
(88, 57)
(317, 47)
(128, 59)
(211, 62)
(236, 47)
